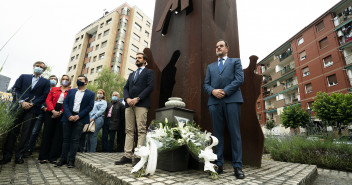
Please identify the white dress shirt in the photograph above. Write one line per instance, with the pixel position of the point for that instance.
(78, 100)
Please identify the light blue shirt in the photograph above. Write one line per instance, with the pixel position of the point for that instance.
(223, 61)
(98, 109)
(139, 71)
(35, 80)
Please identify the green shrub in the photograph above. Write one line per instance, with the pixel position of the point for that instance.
(298, 149)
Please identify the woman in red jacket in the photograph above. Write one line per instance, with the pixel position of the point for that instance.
(50, 148)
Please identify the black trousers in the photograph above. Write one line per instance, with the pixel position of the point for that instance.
(50, 148)
(23, 123)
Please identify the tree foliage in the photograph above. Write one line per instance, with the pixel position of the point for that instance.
(270, 124)
(294, 116)
(334, 109)
(109, 81)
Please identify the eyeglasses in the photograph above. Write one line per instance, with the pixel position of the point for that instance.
(221, 46)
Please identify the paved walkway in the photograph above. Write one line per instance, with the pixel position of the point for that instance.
(32, 172)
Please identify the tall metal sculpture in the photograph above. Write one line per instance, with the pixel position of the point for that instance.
(184, 36)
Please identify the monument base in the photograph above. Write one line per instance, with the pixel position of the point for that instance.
(173, 160)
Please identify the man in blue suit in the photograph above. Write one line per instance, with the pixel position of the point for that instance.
(30, 91)
(137, 97)
(222, 83)
(77, 105)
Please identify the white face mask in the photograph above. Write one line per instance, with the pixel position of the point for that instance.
(100, 96)
(38, 70)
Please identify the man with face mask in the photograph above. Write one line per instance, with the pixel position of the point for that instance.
(136, 94)
(39, 123)
(31, 91)
(114, 125)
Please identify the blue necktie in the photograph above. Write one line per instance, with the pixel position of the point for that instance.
(221, 65)
(136, 75)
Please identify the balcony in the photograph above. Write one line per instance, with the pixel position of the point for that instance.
(290, 101)
(287, 69)
(267, 79)
(270, 67)
(276, 76)
(267, 93)
(278, 89)
(285, 54)
(280, 103)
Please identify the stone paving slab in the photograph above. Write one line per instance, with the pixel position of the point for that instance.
(32, 172)
(101, 167)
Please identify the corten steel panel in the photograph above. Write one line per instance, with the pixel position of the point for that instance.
(182, 46)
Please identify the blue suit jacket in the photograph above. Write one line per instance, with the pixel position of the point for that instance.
(230, 79)
(142, 88)
(86, 106)
(24, 91)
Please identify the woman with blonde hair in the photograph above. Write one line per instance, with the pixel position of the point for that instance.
(89, 140)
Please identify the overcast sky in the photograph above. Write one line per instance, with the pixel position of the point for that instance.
(51, 25)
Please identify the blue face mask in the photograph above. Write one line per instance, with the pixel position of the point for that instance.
(79, 83)
(53, 82)
(38, 70)
(64, 82)
(114, 98)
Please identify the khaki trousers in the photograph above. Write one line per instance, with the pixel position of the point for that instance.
(135, 115)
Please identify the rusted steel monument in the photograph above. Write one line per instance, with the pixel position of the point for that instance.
(184, 36)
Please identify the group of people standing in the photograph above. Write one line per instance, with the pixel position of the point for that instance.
(68, 110)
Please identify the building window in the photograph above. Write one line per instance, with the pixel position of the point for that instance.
(92, 71)
(69, 68)
(81, 36)
(72, 58)
(72, 77)
(132, 60)
(103, 44)
(74, 49)
(323, 43)
(101, 56)
(97, 47)
(99, 36)
(101, 25)
(134, 48)
(320, 26)
(99, 68)
(91, 44)
(146, 34)
(137, 26)
(117, 69)
(89, 54)
(136, 37)
(302, 55)
(148, 23)
(258, 105)
(139, 16)
(94, 58)
(145, 44)
(79, 46)
(77, 56)
(74, 67)
(328, 61)
(130, 71)
(305, 71)
(308, 88)
(108, 21)
(259, 117)
(106, 32)
(332, 80)
(300, 40)
(77, 39)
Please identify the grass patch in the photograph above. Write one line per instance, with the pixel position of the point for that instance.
(299, 149)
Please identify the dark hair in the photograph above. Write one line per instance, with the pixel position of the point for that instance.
(55, 77)
(69, 79)
(144, 56)
(226, 43)
(40, 62)
(85, 78)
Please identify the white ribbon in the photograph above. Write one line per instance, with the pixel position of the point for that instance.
(148, 153)
(208, 155)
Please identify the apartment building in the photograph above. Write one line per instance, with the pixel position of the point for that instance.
(318, 58)
(111, 41)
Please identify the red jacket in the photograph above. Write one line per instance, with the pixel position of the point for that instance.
(52, 98)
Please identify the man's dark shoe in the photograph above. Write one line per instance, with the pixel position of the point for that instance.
(60, 163)
(70, 164)
(135, 161)
(19, 160)
(239, 173)
(5, 160)
(123, 160)
(27, 153)
(219, 169)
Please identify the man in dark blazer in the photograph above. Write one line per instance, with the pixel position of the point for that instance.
(136, 93)
(222, 83)
(77, 105)
(31, 91)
